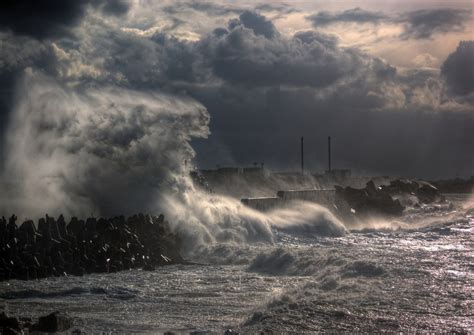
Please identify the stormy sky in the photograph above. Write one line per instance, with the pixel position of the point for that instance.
(391, 81)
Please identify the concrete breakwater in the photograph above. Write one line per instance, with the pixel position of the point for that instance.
(322, 197)
(56, 248)
(350, 203)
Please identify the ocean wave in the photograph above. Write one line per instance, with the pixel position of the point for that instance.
(30, 293)
(121, 293)
(308, 262)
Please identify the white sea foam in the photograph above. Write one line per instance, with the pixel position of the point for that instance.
(105, 150)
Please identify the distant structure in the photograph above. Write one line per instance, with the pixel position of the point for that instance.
(339, 173)
(329, 154)
(302, 155)
(323, 197)
(230, 171)
(335, 173)
(258, 170)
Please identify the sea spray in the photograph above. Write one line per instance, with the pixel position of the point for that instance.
(210, 219)
(100, 150)
(105, 150)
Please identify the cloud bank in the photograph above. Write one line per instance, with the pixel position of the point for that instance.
(355, 15)
(422, 24)
(417, 24)
(458, 69)
(263, 87)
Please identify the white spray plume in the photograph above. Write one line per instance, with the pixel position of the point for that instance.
(208, 219)
(97, 150)
(111, 151)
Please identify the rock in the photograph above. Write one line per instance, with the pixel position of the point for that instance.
(457, 185)
(11, 331)
(403, 186)
(9, 322)
(54, 322)
(231, 332)
(428, 194)
(424, 191)
(78, 248)
(367, 201)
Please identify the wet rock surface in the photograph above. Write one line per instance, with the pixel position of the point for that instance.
(367, 201)
(426, 192)
(9, 325)
(51, 323)
(457, 185)
(54, 322)
(57, 248)
(384, 200)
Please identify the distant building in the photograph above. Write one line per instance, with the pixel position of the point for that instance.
(255, 171)
(338, 173)
(228, 170)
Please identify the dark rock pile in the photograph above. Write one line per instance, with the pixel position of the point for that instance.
(424, 191)
(384, 200)
(52, 323)
(457, 185)
(369, 200)
(57, 248)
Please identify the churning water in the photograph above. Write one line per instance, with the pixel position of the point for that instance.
(413, 274)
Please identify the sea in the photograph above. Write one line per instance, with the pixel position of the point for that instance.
(415, 274)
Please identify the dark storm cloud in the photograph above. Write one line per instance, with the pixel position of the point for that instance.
(384, 122)
(355, 15)
(272, 89)
(254, 53)
(419, 24)
(24, 27)
(265, 125)
(309, 37)
(50, 18)
(158, 61)
(251, 52)
(280, 8)
(40, 18)
(115, 7)
(264, 90)
(256, 22)
(209, 8)
(458, 69)
(422, 24)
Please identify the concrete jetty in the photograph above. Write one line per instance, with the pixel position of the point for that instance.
(323, 197)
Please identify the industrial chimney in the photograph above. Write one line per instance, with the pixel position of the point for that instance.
(302, 155)
(329, 153)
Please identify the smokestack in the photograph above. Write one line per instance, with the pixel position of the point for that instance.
(302, 154)
(329, 153)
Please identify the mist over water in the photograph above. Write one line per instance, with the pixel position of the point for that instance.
(370, 280)
(108, 151)
(101, 150)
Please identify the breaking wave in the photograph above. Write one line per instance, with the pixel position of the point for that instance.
(310, 262)
(121, 293)
(77, 150)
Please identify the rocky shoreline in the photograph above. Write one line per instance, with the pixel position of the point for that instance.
(51, 323)
(56, 248)
(385, 200)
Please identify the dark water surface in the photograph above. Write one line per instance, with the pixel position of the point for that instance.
(413, 274)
